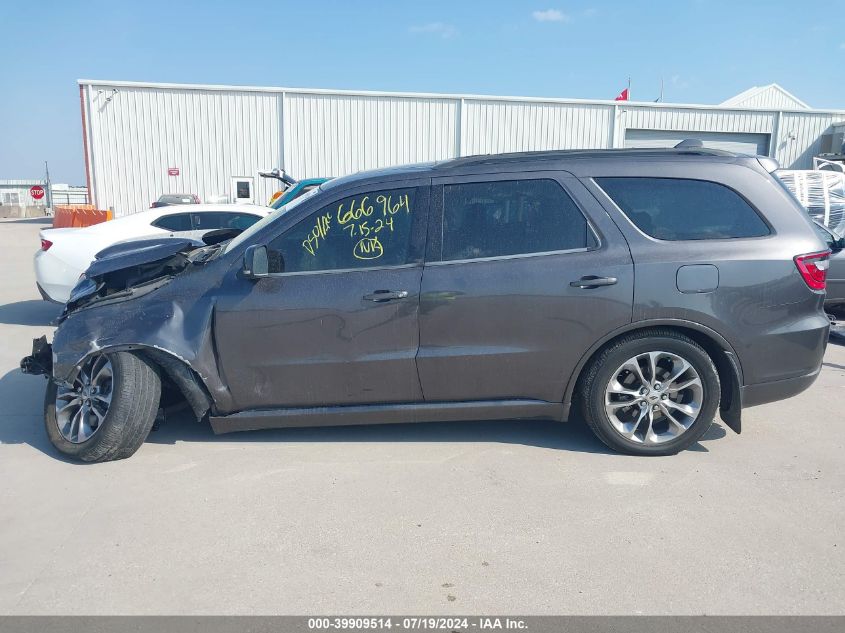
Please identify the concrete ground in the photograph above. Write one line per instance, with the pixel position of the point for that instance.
(505, 517)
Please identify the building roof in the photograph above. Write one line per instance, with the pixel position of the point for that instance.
(771, 96)
(790, 102)
(22, 183)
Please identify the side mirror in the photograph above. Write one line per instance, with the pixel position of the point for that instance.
(256, 265)
(260, 262)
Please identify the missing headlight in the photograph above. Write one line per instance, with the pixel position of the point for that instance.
(82, 289)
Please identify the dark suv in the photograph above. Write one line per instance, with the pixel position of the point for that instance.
(649, 288)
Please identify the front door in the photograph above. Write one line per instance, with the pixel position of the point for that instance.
(339, 325)
(518, 284)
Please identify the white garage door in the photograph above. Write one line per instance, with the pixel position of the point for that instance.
(730, 141)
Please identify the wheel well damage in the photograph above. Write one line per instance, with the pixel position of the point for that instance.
(183, 378)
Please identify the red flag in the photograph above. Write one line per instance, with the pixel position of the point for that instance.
(623, 96)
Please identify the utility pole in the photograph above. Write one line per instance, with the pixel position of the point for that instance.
(49, 188)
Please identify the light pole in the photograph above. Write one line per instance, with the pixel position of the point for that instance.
(49, 188)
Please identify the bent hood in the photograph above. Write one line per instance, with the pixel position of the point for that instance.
(138, 252)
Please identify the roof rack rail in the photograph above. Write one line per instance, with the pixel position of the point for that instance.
(481, 159)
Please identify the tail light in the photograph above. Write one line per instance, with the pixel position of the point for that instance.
(45, 244)
(813, 268)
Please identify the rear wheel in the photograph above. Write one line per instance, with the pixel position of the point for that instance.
(107, 411)
(651, 393)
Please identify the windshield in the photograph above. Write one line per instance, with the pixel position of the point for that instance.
(255, 228)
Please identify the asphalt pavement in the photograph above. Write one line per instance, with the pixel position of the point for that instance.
(484, 517)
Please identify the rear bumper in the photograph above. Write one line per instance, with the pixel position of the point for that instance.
(752, 395)
(45, 296)
(54, 277)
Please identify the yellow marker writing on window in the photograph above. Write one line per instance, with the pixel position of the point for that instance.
(389, 207)
(321, 229)
(368, 248)
(354, 212)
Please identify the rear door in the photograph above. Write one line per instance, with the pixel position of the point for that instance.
(524, 272)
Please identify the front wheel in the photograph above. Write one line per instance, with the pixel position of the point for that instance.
(651, 393)
(107, 411)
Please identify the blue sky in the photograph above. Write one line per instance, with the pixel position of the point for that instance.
(705, 50)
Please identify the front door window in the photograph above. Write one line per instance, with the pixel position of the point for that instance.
(364, 231)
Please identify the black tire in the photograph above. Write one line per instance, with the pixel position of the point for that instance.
(601, 369)
(136, 391)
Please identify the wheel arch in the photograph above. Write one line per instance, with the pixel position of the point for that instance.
(717, 347)
(177, 369)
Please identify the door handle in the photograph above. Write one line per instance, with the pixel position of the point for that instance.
(380, 296)
(592, 281)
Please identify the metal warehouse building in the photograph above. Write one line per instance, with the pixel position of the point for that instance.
(142, 140)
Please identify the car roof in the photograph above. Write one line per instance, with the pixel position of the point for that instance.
(149, 215)
(201, 208)
(626, 154)
(562, 159)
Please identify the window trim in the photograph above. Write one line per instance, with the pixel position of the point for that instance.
(495, 258)
(298, 273)
(437, 210)
(419, 224)
(594, 181)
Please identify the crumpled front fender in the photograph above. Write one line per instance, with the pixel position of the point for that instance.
(160, 325)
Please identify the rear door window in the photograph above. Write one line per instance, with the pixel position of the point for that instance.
(174, 222)
(223, 220)
(682, 209)
(511, 217)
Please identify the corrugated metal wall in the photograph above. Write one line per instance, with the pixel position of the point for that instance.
(212, 134)
(333, 135)
(799, 137)
(493, 127)
(16, 193)
(136, 135)
(690, 119)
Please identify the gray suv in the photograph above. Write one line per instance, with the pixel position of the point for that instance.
(646, 288)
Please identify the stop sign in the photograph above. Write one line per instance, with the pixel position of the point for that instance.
(37, 192)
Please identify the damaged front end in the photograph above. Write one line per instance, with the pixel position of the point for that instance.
(124, 271)
(148, 297)
(41, 360)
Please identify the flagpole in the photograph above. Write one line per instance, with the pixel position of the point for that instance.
(629, 89)
(661, 90)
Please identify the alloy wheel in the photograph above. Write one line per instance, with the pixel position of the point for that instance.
(654, 397)
(82, 407)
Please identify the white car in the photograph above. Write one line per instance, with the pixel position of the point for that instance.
(67, 253)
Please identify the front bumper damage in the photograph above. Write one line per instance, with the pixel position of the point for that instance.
(41, 360)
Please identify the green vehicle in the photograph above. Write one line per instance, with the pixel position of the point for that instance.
(291, 188)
